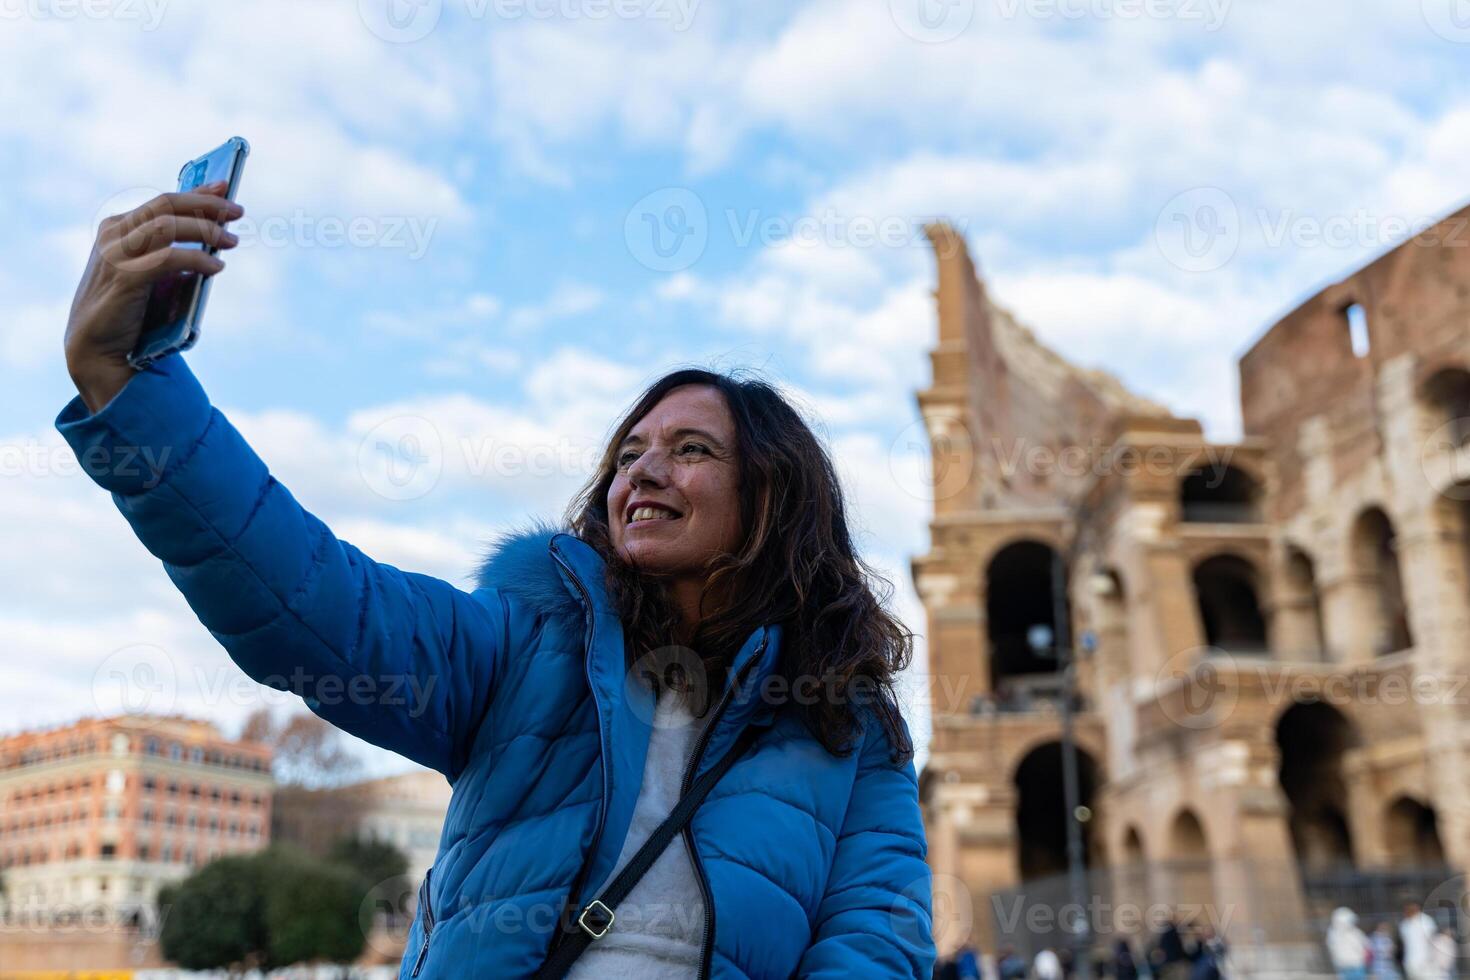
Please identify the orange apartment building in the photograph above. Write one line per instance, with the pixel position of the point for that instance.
(95, 816)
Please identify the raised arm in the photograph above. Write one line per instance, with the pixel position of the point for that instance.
(401, 660)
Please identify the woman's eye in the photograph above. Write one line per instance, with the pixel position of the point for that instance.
(625, 458)
(694, 446)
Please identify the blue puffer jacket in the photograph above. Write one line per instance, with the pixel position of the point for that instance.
(813, 865)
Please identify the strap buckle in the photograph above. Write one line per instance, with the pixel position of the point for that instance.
(604, 918)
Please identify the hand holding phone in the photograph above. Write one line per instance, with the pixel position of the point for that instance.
(176, 306)
(132, 252)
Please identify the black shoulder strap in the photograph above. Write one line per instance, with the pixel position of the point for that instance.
(596, 918)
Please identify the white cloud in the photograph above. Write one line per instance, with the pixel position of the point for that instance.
(568, 299)
(1052, 143)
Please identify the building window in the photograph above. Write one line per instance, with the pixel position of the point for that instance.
(196, 754)
(175, 751)
(193, 792)
(214, 793)
(150, 746)
(108, 852)
(1357, 324)
(149, 784)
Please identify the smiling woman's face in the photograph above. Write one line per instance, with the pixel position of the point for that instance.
(674, 503)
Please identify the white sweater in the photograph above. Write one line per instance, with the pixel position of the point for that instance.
(658, 930)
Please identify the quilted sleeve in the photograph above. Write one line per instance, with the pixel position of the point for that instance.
(402, 660)
(874, 919)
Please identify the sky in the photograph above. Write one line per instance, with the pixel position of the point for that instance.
(484, 225)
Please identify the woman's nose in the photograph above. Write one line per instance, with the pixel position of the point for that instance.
(650, 468)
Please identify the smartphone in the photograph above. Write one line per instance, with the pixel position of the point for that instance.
(176, 304)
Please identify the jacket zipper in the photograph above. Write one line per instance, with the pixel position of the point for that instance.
(580, 882)
(428, 911)
(708, 948)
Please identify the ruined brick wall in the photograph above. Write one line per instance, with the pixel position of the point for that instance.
(1416, 300)
(1033, 420)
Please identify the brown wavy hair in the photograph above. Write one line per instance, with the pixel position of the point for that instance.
(796, 567)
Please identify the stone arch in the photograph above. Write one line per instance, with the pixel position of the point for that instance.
(1187, 838)
(1227, 588)
(1132, 850)
(1451, 521)
(1019, 591)
(1445, 397)
(1312, 738)
(1041, 815)
(1089, 740)
(1298, 619)
(1131, 874)
(1411, 834)
(1373, 554)
(1220, 493)
(1189, 871)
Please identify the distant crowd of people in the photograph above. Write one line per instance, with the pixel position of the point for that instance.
(1177, 952)
(1419, 949)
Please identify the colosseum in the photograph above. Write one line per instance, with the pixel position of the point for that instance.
(1260, 647)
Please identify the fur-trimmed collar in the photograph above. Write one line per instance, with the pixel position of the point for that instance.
(519, 563)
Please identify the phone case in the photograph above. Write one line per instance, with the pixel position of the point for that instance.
(181, 332)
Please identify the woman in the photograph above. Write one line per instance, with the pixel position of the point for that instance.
(1347, 946)
(706, 606)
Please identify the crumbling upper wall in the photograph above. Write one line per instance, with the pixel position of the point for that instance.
(1416, 302)
(1023, 404)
